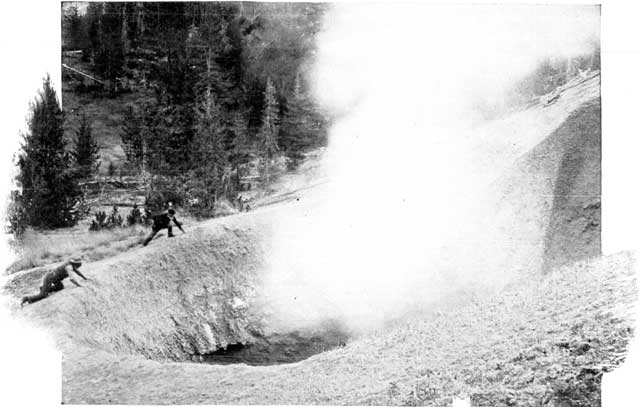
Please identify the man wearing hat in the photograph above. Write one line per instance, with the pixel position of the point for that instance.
(52, 280)
(163, 221)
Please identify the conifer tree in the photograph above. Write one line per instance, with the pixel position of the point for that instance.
(236, 61)
(105, 36)
(214, 124)
(131, 136)
(73, 30)
(239, 155)
(85, 152)
(267, 136)
(209, 164)
(47, 178)
(299, 129)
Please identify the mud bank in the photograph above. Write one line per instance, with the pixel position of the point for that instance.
(542, 210)
(548, 205)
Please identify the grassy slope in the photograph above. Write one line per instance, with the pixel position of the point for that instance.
(181, 295)
(39, 249)
(42, 248)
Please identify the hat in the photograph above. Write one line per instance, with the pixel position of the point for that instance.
(76, 261)
(171, 211)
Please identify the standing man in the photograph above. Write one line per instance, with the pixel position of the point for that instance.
(163, 221)
(52, 280)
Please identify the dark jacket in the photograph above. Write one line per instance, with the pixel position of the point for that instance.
(61, 272)
(162, 221)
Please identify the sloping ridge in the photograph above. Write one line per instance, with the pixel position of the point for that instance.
(573, 231)
(546, 204)
(558, 185)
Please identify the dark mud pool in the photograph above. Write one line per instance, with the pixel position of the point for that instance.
(279, 348)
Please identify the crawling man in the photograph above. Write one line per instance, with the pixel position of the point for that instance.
(52, 280)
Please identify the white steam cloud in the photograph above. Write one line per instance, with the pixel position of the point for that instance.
(403, 79)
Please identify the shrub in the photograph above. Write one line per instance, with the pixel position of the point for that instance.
(111, 169)
(85, 152)
(16, 216)
(114, 218)
(99, 222)
(135, 216)
(102, 221)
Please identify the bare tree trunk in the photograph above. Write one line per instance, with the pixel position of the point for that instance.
(208, 91)
(140, 19)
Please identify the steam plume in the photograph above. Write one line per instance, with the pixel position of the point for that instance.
(403, 80)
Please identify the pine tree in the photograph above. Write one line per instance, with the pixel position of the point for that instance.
(72, 29)
(299, 130)
(124, 28)
(202, 54)
(210, 161)
(48, 181)
(214, 120)
(267, 136)
(131, 137)
(106, 48)
(85, 152)
(239, 155)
